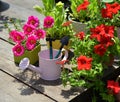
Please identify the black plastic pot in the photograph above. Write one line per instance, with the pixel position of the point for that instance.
(87, 95)
(4, 6)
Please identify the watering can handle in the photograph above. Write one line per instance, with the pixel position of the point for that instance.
(64, 59)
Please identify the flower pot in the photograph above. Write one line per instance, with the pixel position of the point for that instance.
(32, 55)
(87, 95)
(110, 62)
(56, 45)
(118, 32)
(78, 26)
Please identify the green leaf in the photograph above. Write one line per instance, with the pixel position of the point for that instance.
(107, 1)
(39, 9)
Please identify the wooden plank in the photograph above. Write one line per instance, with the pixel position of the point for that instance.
(12, 90)
(54, 89)
(18, 10)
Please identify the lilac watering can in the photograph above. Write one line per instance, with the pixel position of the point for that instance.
(48, 68)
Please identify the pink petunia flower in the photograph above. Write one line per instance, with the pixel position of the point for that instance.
(40, 34)
(28, 29)
(48, 22)
(31, 42)
(33, 20)
(18, 50)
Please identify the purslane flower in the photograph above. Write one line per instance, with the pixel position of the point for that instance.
(33, 20)
(31, 42)
(18, 36)
(48, 22)
(29, 38)
(18, 50)
(40, 34)
(28, 29)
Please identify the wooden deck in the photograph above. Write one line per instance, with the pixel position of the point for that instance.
(22, 86)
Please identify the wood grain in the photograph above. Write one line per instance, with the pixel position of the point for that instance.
(54, 89)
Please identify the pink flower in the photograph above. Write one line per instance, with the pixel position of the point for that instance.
(31, 42)
(28, 29)
(40, 33)
(18, 50)
(11, 34)
(48, 22)
(33, 20)
(17, 36)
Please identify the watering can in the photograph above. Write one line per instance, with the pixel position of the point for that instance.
(48, 68)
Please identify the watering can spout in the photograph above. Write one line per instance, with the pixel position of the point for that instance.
(25, 63)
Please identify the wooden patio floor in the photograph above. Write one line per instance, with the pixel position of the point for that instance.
(22, 86)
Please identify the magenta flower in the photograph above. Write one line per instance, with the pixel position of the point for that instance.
(18, 37)
(31, 42)
(48, 22)
(33, 20)
(18, 50)
(28, 29)
(12, 33)
(40, 34)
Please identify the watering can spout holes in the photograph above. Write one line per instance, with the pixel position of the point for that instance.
(24, 63)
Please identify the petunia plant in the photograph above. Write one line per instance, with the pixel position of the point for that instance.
(84, 10)
(93, 54)
(96, 11)
(28, 36)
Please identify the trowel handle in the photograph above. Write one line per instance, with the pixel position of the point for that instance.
(65, 55)
(64, 59)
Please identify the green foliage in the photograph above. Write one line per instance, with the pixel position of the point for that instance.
(58, 12)
(84, 16)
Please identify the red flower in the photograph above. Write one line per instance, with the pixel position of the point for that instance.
(95, 32)
(114, 86)
(101, 30)
(113, 7)
(80, 35)
(109, 30)
(106, 13)
(65, 24)
(84, 63)
(83, 6)
(106, 39)
(110, 10)
(100, 49)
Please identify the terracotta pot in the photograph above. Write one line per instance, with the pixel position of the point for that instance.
(32, 55)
